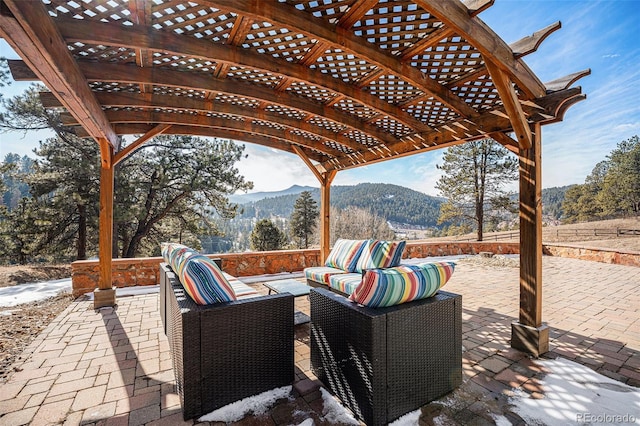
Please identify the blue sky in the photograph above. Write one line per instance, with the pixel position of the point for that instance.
(601, 35)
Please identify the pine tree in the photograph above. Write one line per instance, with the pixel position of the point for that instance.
(267, 236)
(304, 219)
(474, 180)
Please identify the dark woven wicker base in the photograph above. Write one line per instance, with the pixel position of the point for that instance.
(383, 363)
(225, 352)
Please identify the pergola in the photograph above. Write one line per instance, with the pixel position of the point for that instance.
(340, 83)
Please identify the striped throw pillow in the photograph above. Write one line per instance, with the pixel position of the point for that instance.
(380, 254)
(204, 282)
(344, 254)
(401, 284)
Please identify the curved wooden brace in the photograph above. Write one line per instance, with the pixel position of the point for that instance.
(530, 44)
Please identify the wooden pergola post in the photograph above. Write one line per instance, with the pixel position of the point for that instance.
(529, 334)
(325, 220)
(325, 178)
(105, 294)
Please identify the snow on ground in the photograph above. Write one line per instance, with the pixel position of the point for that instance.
(575, 394)
(32, 292)
(257, 404)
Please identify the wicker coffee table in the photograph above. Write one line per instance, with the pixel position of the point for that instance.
(294, 287)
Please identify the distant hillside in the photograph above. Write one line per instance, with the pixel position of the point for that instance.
(552, 199)
(257, 196)
(397, 204)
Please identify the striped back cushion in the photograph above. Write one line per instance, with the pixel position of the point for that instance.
(204, 282)
(380, 254)
(344, 254)
(404, 283)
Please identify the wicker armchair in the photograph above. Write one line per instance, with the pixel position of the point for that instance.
(383, 363)
(225, 352)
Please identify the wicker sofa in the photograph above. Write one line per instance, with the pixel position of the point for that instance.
(224, 352)
(385, 362)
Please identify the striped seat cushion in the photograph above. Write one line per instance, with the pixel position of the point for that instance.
(344, 254)
(345, 283)
(380, 254)
(204, 282)
(401, 284)
(240, 289)
(321, 274)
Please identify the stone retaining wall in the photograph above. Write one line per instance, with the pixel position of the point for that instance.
(144, 271)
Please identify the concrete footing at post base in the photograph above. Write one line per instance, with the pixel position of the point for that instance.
(103, 297)
(532, 340)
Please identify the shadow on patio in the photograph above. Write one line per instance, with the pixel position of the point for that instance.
(114, 366)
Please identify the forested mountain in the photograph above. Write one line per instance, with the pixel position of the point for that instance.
(397, 204)
(552, 199)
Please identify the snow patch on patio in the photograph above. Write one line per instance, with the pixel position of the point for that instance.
(409, 419)
(335, 413)
(575, 394)
(257, 404)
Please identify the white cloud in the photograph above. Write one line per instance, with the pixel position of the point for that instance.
(273, 170)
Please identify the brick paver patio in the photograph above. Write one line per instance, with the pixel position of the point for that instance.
(113, 367)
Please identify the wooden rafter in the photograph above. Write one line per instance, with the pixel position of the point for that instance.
(134, 100)
(314, 169)
(195, 120)
(355, 13)
(288, 17)
(170, 78)
(245, 136)
(105, 33)
(141, 15)
(455, 15)
(239, 31)
(33, 35)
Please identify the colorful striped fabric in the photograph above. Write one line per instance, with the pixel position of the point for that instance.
(204, 282)
(344, 254)
(321, 274)
(346, 283)
(401, 284)
(380, 254)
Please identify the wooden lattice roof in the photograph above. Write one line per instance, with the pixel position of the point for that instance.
(341, 83)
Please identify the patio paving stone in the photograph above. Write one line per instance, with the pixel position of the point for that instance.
(113, 366)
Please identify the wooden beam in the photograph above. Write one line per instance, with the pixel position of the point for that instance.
(289, 17)
(313, 53)
(195, 120)
(511, 104)
(325, 215)
(529, 334)
(237, 135)
(34, 36)
(241, 28)
(355, 13)
(152, 101)
(171, 78)
(226, 55)
(141, 15)
(133, 146)
(454, 14)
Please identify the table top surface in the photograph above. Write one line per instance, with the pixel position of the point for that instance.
(288, 286)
